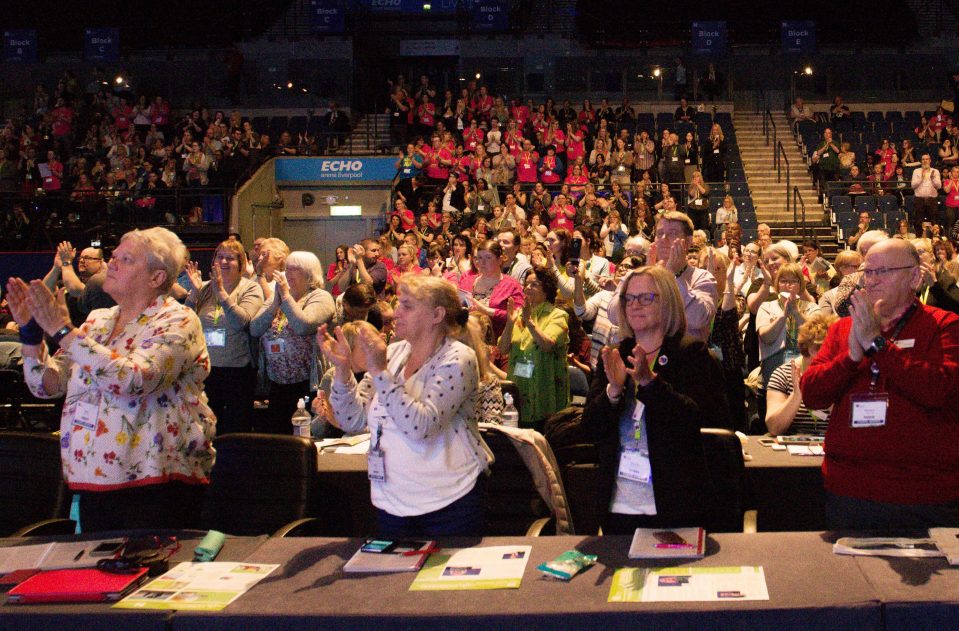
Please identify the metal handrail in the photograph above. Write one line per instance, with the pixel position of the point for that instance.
(778, 157)
(769, 125)
(797, 203)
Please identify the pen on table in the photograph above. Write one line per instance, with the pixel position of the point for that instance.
(673, 546)
(79, 554)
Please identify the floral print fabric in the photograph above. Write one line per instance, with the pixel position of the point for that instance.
(135, 412)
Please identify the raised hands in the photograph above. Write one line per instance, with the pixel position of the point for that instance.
(336, 350)
(65, 253)
(374, 348)
(194, 276)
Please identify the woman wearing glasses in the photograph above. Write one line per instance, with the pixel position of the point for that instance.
(648, 400)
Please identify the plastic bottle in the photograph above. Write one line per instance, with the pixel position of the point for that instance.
(510, 413)
(301, 419)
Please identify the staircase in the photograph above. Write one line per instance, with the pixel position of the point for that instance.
(770, 196)
(370, 136)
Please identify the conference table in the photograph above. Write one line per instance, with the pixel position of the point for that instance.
(786, 490)
(809, 588)
(99, 616)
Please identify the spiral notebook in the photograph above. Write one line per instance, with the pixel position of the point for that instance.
(76, 586)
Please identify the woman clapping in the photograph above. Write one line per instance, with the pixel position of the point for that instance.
(427, 459)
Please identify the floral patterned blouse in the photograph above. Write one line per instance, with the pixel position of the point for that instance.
(135, 411)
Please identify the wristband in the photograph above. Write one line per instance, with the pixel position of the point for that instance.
(31, 334)
(61, 333)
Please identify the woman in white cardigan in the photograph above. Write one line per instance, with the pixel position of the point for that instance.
(427, 459)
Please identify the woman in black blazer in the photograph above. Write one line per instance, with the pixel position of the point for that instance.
(647, 403)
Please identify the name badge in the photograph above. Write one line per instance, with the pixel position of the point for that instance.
(634, 465)
(86, 414)
(906, 343)
(481, 207)
(869, 410)
(215, 338)
(698, 202)
(524, 369)
(275, 347)
(825, 155)
(716, 151)
(686, 160)
(675, 159)
(376, 465)
(621, 168)
(397, 114)
(548, 173)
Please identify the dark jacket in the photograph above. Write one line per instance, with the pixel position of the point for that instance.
(687, 394)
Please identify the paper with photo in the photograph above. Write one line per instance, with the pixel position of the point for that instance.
(198, 586)
(495, 567)
(689, 584)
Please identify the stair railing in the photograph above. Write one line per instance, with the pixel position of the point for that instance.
(769, 127)
(780, 157)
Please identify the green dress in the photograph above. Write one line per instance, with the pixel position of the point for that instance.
(546, 389)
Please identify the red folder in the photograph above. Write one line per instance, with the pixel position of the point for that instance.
(76, 586)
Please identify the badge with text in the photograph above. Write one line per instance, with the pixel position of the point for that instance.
(634, 465)
(524, 369)
(215, 338)
(869, 409)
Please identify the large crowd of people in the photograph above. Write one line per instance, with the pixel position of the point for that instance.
(102, 152)
(547, 288)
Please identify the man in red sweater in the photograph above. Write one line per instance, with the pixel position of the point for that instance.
(891, 371)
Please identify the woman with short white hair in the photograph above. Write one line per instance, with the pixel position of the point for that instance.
(136, 431)
(285, 327)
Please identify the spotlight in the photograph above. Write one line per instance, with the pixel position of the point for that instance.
(289, 85)
(657, 72)
(119, 79)
(478, 75)
(807, 71)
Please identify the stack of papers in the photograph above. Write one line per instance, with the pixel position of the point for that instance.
(887, 547)
(359, 444)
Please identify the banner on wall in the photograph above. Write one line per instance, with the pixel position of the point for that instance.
(709, 38)
(346, 169)
(799, 37)
(20, 46)
(327, 16)
(410, 6)
(101, 44)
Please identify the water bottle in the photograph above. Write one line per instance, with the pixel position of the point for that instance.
(301, 419)
(510, 413)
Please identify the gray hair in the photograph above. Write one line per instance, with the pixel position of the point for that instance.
(311, 265)
(164, 251)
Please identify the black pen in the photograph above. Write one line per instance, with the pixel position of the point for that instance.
(79, 554)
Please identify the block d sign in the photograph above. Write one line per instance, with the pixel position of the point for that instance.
(20, 46)
(709, 38)
(490, 15)
(101, 44)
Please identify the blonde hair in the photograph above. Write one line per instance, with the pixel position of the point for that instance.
(278, 246)
(670, 303)
(436, 292)
(472, 336)
(812, 332)
(352, 329)
(164, 251)
(789, 269)
(235, 248)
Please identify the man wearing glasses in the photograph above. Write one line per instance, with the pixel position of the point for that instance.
(890, 370)
(85, 285)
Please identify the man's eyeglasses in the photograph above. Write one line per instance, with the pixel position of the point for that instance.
(880, 272)
(643, 300)
(90, 258)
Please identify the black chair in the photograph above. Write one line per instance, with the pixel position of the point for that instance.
(260, 483)
(33, 496)
(727, 479)
(513, 504)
